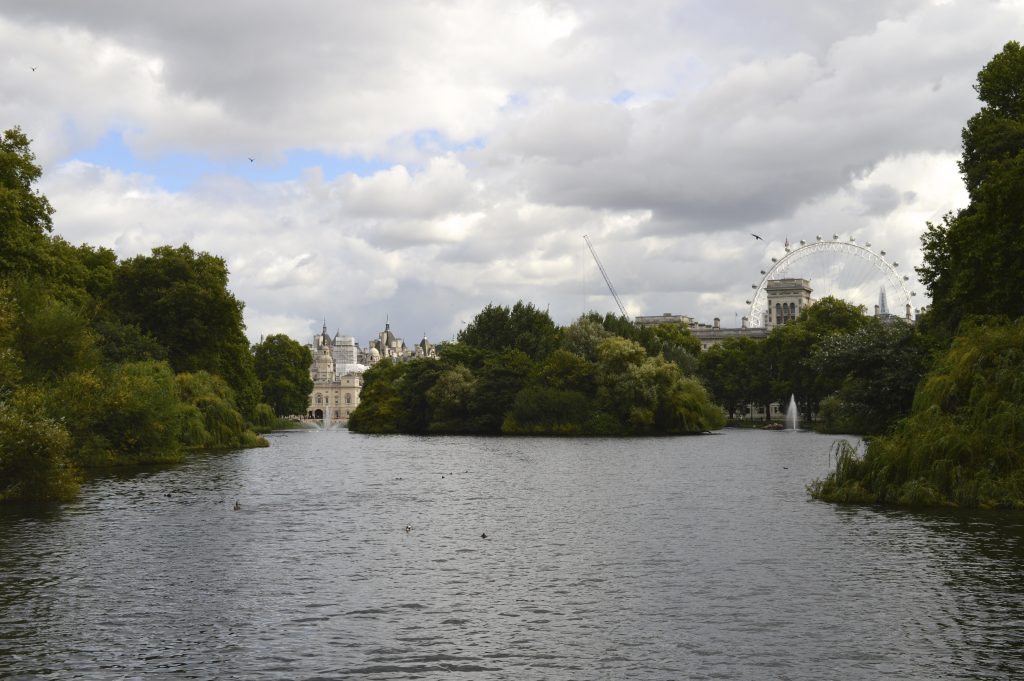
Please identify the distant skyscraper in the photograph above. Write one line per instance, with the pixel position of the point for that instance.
(883, 307)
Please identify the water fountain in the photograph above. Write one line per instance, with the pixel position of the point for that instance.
(792, 414)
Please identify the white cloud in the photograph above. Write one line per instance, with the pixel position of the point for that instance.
(667, 130)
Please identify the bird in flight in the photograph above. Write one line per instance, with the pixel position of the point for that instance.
(33, 67)
(251, 159)
(756, 236)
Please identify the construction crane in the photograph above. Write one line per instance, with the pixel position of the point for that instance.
(607, 280)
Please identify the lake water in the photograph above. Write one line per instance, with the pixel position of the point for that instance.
(675, 558)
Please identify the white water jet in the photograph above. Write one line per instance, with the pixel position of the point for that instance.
(792, 414)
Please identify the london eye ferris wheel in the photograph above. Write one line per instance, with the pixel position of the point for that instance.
(847, 270)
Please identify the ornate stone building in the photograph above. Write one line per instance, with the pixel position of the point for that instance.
(337, 378)
(338, 366)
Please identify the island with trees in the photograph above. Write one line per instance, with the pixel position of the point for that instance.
(514, 372)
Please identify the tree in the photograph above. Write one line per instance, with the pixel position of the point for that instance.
(380, 406)
(962, 445)
(120, 414)
(419, 377)
(523, 327)
(25, 214)
(452, 399)
(181, 298)
(731, 370)
(564, 370)
(875, 371)
(584, 335)
(974, 260)
(498, 381)
(282, 365)
(34, 454)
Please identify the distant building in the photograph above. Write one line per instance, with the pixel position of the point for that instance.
(337, 378)
(786, 300)
(666, 318)
(338, 366)
(707, 335)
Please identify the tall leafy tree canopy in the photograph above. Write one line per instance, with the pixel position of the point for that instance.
(522, 327)
(282, 365)
(180, 297)
(974, 260)
(25, 214)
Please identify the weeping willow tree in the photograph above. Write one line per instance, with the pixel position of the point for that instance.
(208, 417)
(963, 444)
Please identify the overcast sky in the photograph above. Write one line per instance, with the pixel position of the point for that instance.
(416, 161)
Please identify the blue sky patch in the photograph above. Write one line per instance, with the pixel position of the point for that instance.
(177, 171)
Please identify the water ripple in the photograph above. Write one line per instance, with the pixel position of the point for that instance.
(670, 558)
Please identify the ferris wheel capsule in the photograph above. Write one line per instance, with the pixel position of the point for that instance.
(818, 238)
(895, 264)
(835, 237)
(881, 252)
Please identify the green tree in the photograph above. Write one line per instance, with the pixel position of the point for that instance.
(974, 259)
(209, 417)
(123, 414)
(181, 298)
(963, 443)
(523, 328)
(51, 336)
(282, 365)
(380, 405)
(11, 360)
(452, 400)
(564, 370)
(548, 411)
(419, 377)
(584, 335)
(731, 370)
(34, 453)
(876, 370)
(676, 344)
(25, 213)
(498, 381)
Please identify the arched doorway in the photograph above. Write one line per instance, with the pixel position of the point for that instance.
(318, 414)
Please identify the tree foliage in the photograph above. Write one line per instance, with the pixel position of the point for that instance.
(742, 371)
(974, 259)
(180, 297)
(84, 377)
(962, 445)
(25, 214)
(963, 442)
(282, 366)
(521, 327)
(509, 375)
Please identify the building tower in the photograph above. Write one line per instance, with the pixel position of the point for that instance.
(786, 299)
